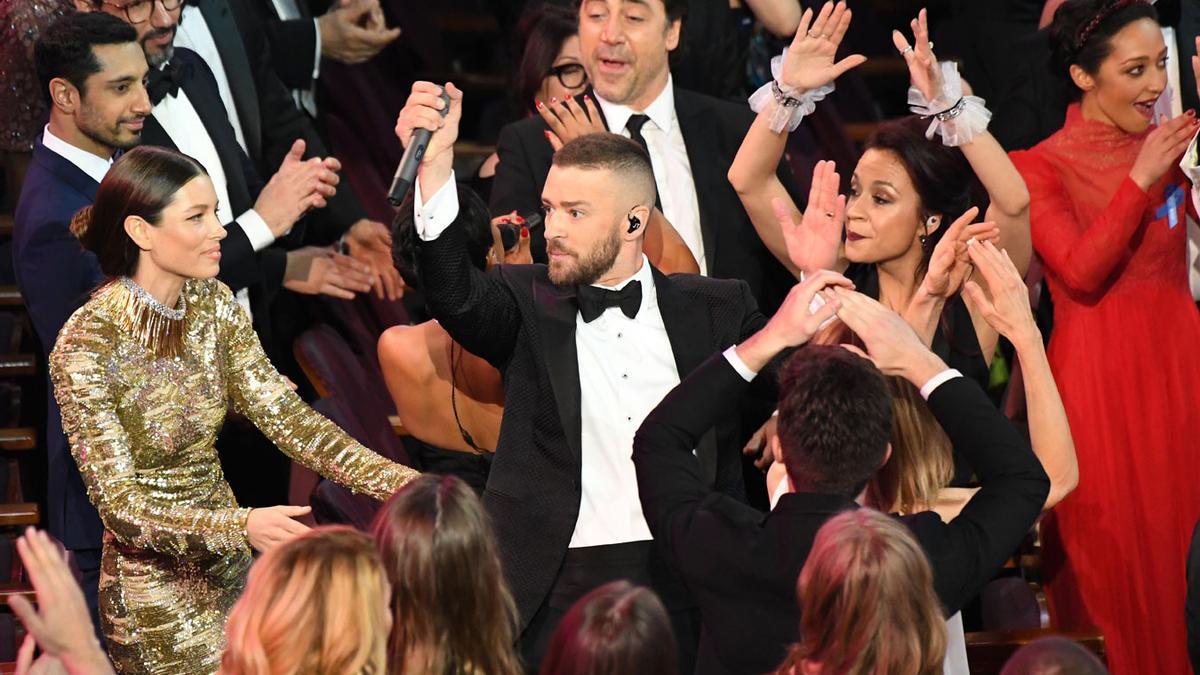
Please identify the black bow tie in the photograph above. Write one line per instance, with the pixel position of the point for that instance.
(166, 81)
(593, 300)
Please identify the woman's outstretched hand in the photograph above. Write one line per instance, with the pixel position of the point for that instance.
(809, 61)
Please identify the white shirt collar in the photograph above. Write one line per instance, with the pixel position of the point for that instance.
(661, 110)
(93, 165)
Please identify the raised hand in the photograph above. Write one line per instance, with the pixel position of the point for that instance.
(794, 324)
(891, 343)
(949, 265)
(1005, 304)
(1162, 148)
(813, 244)
(299, 185)
(568, 120)
(809, 61)
(923, 69)
(422, 110)
(268, 527)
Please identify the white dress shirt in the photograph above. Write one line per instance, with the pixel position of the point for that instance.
(669, 159)
(626, 367)
(193, 34)
(287, 10)
(93, 165)
(179, 119)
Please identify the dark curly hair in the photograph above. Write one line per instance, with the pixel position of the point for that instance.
(473, 215)
(1082, 31)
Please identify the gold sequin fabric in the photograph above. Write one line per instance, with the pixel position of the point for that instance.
(142, 429)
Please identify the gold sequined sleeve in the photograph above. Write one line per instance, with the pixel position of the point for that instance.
(82, 371)
(261, 394)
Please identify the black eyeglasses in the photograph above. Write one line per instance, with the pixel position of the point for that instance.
(139, 11)
(570, 75)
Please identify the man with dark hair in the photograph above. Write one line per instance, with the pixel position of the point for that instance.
(691, 140)
(834, 424)
(586, 345)
(91, 70)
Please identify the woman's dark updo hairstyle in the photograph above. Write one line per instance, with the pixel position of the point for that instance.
(1082, 30)
(141, 183)
(473, 215)
(539, 38)
(941, 175)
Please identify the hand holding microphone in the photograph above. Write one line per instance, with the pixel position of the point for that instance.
(427, 128)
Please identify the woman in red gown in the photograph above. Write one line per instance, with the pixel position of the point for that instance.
(1108, 218)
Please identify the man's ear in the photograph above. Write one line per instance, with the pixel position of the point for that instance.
(84, 6)
(642, 213)
(64, 95)
(673, 30)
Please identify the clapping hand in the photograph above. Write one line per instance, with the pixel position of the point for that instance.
(923, 69)
(568, 120)
(1005, 304)
(809, 61)
(313, 270)
(370, 243)
(60, 623)
(949, 265)
(814, 243)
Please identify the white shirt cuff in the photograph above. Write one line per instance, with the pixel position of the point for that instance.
(937, 381)
(433, 217)
(256, 230)
(739, 365)
(317, 52)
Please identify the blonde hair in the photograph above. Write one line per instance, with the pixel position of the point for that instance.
(314, 605)
(867, 604)
(922, 460)
(454, 614)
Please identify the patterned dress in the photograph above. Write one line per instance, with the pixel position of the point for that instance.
(143, 391)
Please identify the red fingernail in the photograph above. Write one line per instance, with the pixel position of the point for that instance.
(586, 97)
(524, 232)
(518, 219)
(539, 104)
(553, 100)
(546, 134)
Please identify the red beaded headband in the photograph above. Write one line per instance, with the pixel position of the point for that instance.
(1103, 14)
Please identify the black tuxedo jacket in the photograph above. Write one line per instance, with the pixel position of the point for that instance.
(270, 120)
(56, 276)
(741, 565)
(241, 267)
(713, 131)
(293, 43)
(524, 325)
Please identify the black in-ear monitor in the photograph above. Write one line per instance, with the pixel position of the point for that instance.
(634, 223)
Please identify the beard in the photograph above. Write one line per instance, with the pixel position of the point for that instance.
(157, 60)
(588, 267)
(116, 137)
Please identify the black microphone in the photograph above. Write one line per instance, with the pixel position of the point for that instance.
(406, 172)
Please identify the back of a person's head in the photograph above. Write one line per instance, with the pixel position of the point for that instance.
(617, 629)
(316, 604)
(473, 215)
(453, 612)
(867, 604)
(922, 461)
(1053, 655)
(65, 49)
(835, 417)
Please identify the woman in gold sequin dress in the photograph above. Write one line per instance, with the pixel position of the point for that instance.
(144, 373)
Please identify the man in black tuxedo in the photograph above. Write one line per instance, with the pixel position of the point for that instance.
(586, 346)
(691, 138)
(834, 425)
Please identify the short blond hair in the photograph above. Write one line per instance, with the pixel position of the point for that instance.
(867, 604)
(317, 604)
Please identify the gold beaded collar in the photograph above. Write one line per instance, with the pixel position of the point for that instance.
(152, 324)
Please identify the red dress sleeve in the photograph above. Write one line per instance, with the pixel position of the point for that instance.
(1081, 255)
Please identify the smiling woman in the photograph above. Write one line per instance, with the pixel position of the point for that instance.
(1108, 209)
(144, 373)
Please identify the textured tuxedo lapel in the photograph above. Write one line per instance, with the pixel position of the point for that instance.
(691, 335)
(225, 32)
(556, 309)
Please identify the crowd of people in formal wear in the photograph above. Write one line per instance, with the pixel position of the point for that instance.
(674, 406)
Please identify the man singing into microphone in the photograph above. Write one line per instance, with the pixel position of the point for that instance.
(587, 346)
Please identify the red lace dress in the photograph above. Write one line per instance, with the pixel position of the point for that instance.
(1125, 350)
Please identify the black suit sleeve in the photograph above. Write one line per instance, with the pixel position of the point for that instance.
(967, 552)
(477, 309)
(670, 483)
(515, 186)
(239, 264)
(1192, 603)
(293, 49)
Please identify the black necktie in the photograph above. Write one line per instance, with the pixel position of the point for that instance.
(165, 82)
(593, 300)
(634, 125)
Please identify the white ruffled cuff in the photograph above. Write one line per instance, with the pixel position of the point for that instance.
(956, 117)
(788, 107)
